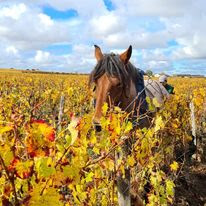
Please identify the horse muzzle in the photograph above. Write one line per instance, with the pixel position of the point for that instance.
(97, 126)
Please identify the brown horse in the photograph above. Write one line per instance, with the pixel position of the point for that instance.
(119, 83)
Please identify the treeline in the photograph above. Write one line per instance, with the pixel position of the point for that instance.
(47, 72)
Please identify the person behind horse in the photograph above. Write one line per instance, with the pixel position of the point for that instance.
(163, 81)
(156, 91)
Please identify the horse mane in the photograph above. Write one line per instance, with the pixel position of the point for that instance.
(112, 65)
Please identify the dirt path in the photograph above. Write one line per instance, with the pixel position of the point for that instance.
(191, 186)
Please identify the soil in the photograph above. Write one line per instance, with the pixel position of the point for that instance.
(191, 186)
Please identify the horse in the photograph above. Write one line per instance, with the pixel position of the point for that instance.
(120, 83)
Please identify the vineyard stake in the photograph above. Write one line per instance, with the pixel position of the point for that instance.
(193, 125)
(61, 107)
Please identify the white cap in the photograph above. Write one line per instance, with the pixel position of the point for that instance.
(163, 78)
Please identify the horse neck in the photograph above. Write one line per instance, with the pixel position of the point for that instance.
(129, 97)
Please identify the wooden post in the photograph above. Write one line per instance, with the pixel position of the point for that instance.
(193, 125)
(123, 187)
(61, 107)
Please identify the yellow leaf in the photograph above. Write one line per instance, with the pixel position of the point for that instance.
(118, 130)
(73, 130)
(131, 161)
(96, 150)
(104, 108)
(199, 101)
(117, 109)
(174, 166)
(93, 139)
(4, 129)
(155, 102)
(50, 197)
(7, 154)
(154, 181)
(159, 123)
(70, 91)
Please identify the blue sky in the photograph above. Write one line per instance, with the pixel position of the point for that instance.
(61, 15)
(59, 35)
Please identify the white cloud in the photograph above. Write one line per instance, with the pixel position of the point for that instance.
(85, 8)
(12, 50)
(154, 55)
(107, 25)
(190, 36)
(42, 57)
(139, 39)
(46, 20)
(81, 59)
(13, 12)
(33, 29)
(82, 49)
(158, 64)
(167, 8)
(26, 33)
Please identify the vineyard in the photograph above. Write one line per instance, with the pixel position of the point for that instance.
(51, 155)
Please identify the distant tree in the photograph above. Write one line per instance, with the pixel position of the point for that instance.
(149, 72)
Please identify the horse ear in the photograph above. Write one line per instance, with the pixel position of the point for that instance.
(126, 55)
(98, 53)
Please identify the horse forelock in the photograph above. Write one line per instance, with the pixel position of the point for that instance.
(112, 65)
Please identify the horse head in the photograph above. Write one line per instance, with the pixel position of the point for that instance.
(115, 81)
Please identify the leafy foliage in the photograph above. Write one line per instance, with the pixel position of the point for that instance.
(41, 164)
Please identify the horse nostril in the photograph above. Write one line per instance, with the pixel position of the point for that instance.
(97, 127)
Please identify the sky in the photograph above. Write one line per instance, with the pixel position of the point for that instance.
(58, 35)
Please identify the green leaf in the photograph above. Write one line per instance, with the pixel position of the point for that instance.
(89, 177)
(68, 139)
(60, 147)
(71, 172)
(154, 181)
(129, 126)
(170, 187)
(44, 167)
(151, 106)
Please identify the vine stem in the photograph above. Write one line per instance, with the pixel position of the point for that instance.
(11, 179)
(90, 163)
(114, 178)
(58, 162)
